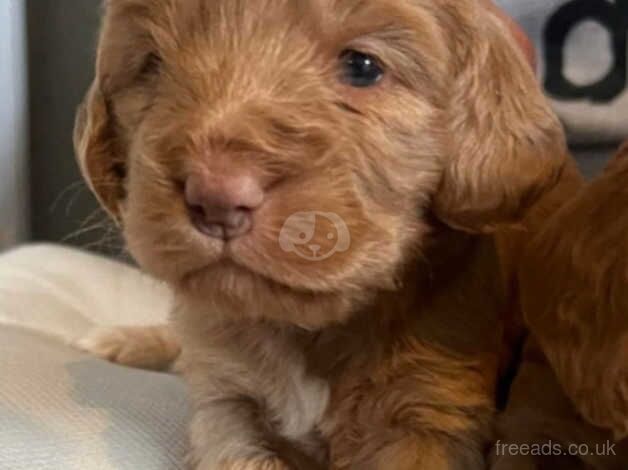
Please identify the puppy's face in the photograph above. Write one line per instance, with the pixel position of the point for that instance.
(281, 156)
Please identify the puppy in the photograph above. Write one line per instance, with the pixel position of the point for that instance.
(573, 281)
(338, 192)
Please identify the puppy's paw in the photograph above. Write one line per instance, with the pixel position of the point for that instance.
(150, 347)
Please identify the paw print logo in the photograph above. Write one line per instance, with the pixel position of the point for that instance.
(314, 236)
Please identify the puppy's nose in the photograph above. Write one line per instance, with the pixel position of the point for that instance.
(222, 206)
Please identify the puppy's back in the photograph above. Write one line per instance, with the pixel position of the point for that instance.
(573, 288)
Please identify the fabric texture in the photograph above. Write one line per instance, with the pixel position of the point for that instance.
(61, 409)
(583, 58)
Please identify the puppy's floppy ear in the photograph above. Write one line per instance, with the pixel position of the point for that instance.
(95, 147)
(506, 147)
(97, 136)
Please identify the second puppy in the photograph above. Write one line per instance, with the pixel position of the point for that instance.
(581, 317)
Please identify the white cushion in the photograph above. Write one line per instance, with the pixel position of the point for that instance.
(61, 409)
(64, 292)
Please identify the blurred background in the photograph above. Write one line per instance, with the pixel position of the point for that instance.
(46, 58)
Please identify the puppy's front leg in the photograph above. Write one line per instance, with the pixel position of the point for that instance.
(424, 409)
(422, 447)
(254, 409)
(424, 452)
(227, 434)
(413, 453)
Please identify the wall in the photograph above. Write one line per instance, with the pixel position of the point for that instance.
(13, 124)
(62, 38)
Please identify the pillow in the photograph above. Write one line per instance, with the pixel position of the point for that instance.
(61, 409)
(582, 48)
(65, 293)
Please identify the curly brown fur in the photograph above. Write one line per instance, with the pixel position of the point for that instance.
(387, 354)
(579, 318)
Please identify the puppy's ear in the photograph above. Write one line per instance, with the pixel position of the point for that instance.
(97, 134)
(506, 147)
(95, 147)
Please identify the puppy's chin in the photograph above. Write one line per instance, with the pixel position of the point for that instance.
(226, 289)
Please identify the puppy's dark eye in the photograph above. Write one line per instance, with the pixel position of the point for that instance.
(359, 69)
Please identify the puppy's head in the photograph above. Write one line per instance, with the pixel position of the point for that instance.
(282, 155)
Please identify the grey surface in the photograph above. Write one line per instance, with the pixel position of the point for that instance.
(62, 410)
(62, 43)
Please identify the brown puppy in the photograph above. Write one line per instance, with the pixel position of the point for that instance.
(328, 186)
(573, 289)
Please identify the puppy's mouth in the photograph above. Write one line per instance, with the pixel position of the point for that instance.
(256, 257)
(228, 279)
(228, 270)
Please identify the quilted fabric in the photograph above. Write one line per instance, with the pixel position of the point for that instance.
(61, 409)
